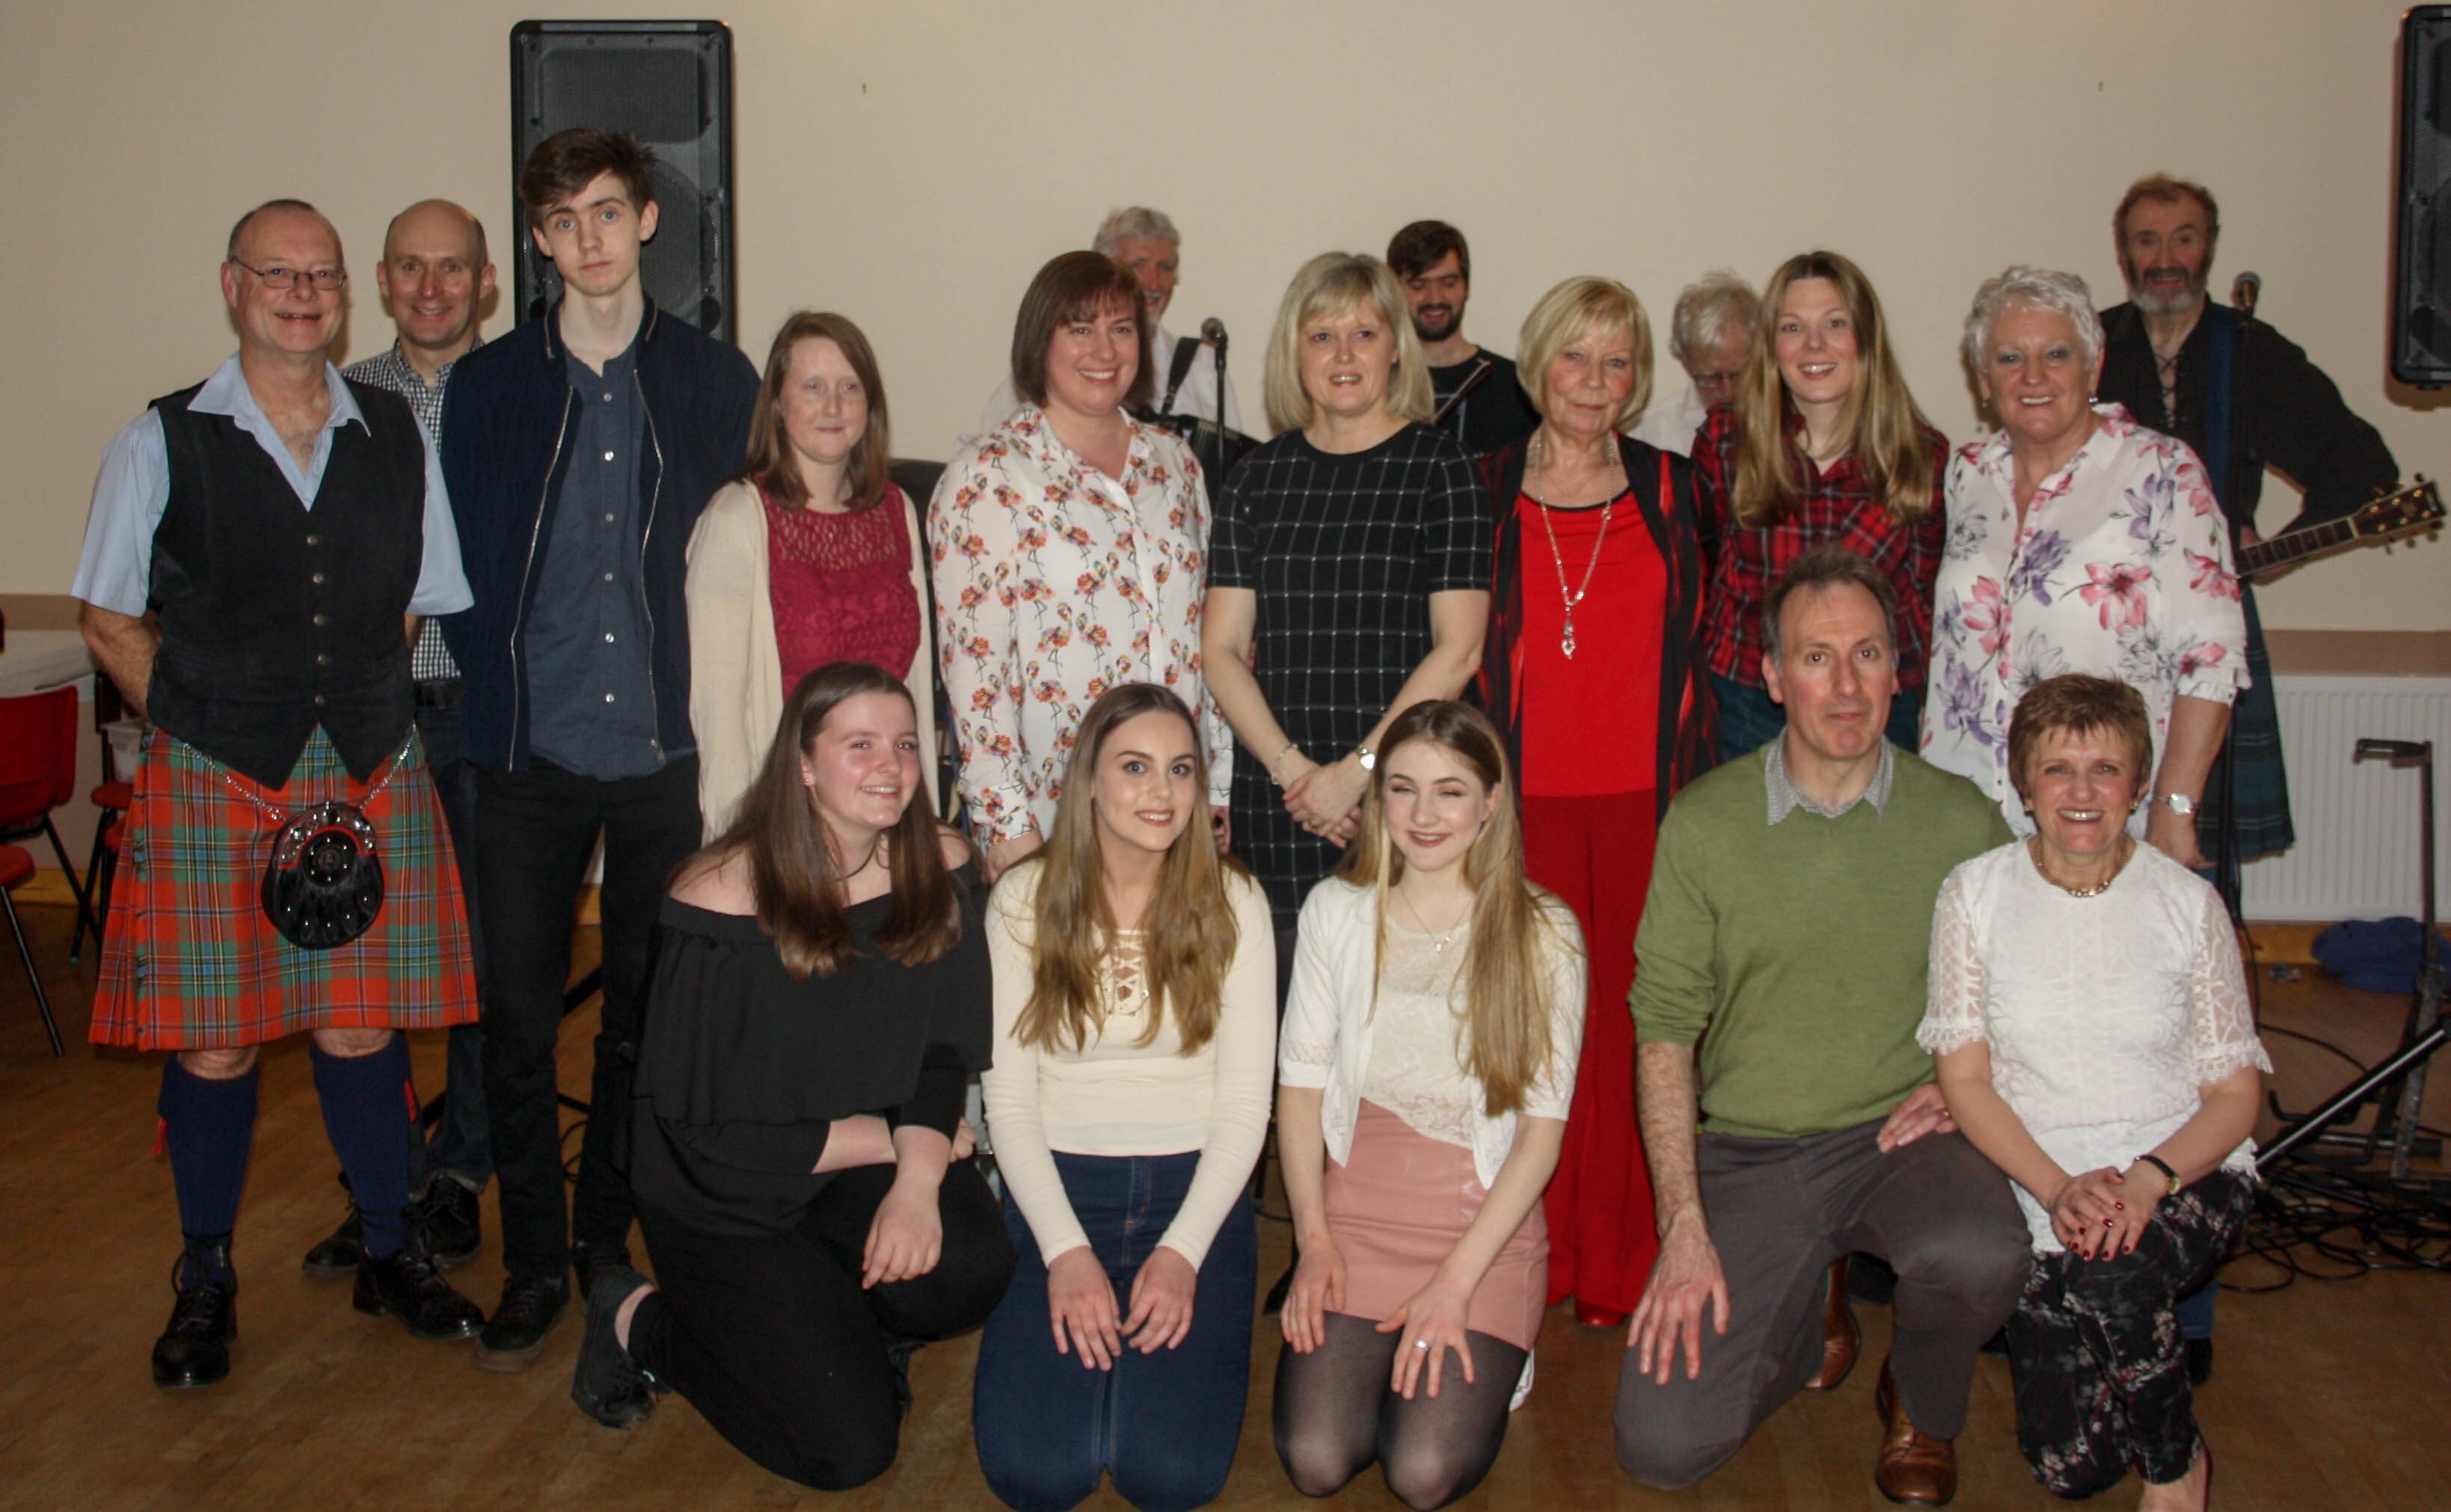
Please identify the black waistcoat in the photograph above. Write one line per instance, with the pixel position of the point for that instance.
(276, 618)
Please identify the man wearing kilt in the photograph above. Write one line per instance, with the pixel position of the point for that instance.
(256, 548)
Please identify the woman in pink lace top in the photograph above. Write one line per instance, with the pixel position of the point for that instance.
(811, 556)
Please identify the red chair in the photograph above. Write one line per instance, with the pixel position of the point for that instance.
(113, 800)
(38, 773)
(15, 866)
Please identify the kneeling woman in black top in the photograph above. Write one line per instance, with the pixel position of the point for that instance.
(820, 997)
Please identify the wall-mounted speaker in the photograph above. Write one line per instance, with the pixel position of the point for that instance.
(2420, 299)
(669, 84)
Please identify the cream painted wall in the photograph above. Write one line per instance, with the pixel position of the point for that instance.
(912, 164)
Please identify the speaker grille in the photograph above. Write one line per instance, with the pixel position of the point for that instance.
(669, 84)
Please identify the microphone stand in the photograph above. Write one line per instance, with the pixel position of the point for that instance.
(2405, 1070)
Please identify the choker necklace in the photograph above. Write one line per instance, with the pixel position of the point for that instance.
(1440, 948)
(2127, 848)
(1574, 599)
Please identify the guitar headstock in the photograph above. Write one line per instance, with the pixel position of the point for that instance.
(2416, 506)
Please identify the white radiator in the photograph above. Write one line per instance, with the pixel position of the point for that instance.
(2357, 850)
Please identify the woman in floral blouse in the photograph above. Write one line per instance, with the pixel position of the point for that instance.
(1070, 554)
(2078, 541)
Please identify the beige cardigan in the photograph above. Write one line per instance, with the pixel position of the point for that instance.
(736, 669)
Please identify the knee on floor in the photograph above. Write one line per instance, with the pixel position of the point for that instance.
(1667, 1460)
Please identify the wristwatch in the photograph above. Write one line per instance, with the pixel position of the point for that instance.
(2180, 804)
(2164, 1166)
(1368, 757)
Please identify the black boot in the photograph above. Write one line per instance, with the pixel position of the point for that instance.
(194, 1348)
(338, 1253)
(406, 1284)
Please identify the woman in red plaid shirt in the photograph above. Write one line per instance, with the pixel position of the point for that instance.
(1822, 444)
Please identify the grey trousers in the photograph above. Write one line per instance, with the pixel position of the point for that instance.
(1780, 1210)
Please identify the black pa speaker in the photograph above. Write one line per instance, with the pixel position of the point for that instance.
(669, 84)
(2421, 296)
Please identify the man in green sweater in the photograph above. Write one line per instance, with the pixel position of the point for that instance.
(1786, 933)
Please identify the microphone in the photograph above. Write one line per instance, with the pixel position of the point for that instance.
(2244, 290)
(1212, 330)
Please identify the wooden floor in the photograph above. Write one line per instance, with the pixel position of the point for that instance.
(2327, 1396)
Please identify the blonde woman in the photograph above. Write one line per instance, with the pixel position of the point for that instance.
(1823, 445)
(1426, 1068)
(1135, 1006)
(1348, 571)
(1594, 671)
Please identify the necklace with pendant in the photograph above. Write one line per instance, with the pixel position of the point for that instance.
(1570, 599)
(1439, 947)
(2127, 848)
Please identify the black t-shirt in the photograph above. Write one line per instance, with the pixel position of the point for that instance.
(1343, 551)
(1497, 414)
(741, 1070)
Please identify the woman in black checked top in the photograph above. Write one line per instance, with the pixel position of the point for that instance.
(1349, 572)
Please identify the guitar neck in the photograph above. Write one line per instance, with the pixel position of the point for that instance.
(2297, 544)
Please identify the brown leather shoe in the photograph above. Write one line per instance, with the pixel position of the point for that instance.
(1914, 1466)
(1840, 1337)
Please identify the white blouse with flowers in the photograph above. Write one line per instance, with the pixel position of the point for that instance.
(1055, 583)
(2122, 569)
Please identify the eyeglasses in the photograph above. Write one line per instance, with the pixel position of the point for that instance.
(1718, 381)
(326, 280)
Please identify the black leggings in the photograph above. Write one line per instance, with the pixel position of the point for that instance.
(1335, 1414)
(775, 1343)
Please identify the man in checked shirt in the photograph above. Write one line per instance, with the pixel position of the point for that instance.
(435, 276)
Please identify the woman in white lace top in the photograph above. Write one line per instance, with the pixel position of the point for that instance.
(1425, 1068)
(2090, 1021)
(1135, 1009)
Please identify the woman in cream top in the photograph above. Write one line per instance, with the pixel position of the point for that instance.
(1135, 986)
(1428, 1064)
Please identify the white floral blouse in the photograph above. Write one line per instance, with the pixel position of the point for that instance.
(2122, 570)
(1055, 583)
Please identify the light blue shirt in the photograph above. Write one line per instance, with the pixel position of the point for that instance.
(115, 572)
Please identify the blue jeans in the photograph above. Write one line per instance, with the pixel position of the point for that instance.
(1748, 719)
(458, 1145)
(1165, 1425)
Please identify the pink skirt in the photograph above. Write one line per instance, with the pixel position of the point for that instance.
(1396, 1207)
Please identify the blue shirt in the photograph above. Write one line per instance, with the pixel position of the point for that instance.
(587, 664)
(115, 570)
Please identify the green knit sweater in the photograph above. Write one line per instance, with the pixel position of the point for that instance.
(1798, 952)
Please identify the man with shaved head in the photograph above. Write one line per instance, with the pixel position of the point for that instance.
(257, 546)
(435, 278)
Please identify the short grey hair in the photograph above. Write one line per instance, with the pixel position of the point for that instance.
(1132, 221)
(1706, 308)
(2034, 288)
(1818, 571)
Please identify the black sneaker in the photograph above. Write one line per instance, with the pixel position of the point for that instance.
(447, 1217)
(338, 1253)
(607, 1384)
(406, 1286)
(194, 1349)
(514, 1335)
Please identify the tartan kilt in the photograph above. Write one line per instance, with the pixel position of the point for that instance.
(2259, 781)
(190, 961)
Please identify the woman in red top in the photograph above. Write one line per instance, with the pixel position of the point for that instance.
(1822, 445)
(811, 556)
(1594, 671)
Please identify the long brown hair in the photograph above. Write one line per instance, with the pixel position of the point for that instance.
(1187, 937)
(1506, 1042)
(792, 863)
(1885, 431)
(771, 465)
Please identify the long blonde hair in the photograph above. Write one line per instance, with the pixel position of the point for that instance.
(1187, 937)
(1886, 433)
(1506, 1042)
